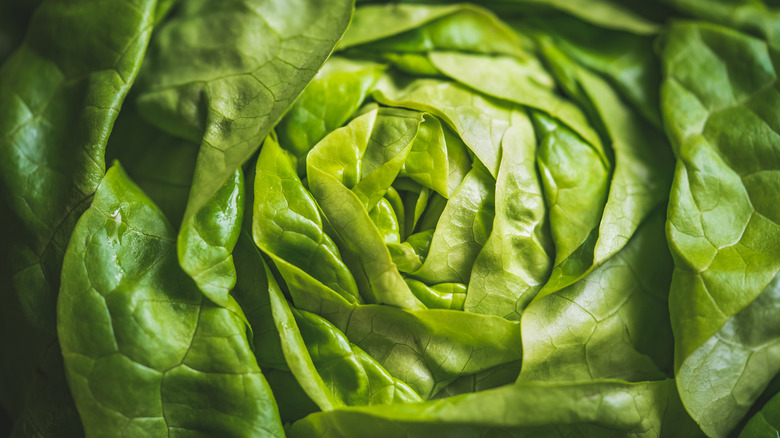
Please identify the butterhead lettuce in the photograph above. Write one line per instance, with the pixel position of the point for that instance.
(525, 218)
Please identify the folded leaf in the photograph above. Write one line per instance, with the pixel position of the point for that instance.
(224, 73)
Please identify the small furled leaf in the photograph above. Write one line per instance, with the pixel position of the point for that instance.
(145, 352)
(206, 241)
(461, 232)
(514, 263)
(575, 182)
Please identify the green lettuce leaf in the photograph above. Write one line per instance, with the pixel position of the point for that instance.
(723, 223)
(605, 408)
(132, 323)
(60, 93)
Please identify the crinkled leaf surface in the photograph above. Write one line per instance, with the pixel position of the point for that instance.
(641, 172)
(145, 352)
(461, 232)
(60, 93)
(723, 217)
(224, 74)
(206, 240)
(348, 172)
(613, 323)
(515, 262)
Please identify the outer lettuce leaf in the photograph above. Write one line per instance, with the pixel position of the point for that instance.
(14, 18)
(609, 14)
(60, 93)
(145, 352)
(602, 408)
(627, 61)
(224, 74)
(766, 423)
(521, 80)
(420, 28)
(206, 241)
(721, 379)
(760, 18)
(723, 217)
(163, 165)
(230, 106)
